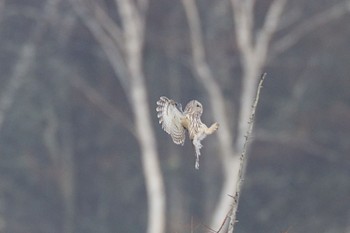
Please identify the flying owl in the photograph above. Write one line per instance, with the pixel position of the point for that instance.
(176, 122)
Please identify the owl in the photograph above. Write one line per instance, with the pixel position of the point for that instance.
(176, 122)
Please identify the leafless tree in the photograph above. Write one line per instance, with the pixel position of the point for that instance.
(255, 50)
(123, 46)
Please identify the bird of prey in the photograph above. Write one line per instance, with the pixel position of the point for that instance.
(176, 122)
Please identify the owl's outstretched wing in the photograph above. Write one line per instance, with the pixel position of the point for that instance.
(170, 117)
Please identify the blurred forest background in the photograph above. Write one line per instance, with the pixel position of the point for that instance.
(73, 153)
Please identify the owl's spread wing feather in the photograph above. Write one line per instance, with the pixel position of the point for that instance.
(171, 118)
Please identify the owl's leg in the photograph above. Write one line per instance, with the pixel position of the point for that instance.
(197, 146)
(212, 128)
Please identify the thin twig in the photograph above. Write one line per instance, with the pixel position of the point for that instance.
(227, 217)
(108, 24)
(243, 158)
(107, 43)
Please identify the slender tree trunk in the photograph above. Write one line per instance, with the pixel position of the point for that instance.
(124, 49)
(133, 27)
(253, 53)
(150, 162)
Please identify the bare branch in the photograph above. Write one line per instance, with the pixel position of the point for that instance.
(253, 55)
(16, 81)
(128, 67)
(243, 158)
(254, 51)
(111, 27)
(268, 29)
(50, 135)
(107, 43)
(307, 26)
(133, 28)
(204, 74)
(243, 20)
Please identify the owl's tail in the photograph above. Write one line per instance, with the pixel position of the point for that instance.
(197, 146)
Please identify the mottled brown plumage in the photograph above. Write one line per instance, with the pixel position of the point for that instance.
(175, 122)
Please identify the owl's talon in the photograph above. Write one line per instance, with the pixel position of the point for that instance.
(216, 126)
(213, 128)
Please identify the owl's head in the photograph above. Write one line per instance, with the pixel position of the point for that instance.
(194, 107)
